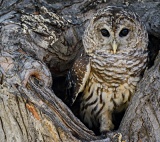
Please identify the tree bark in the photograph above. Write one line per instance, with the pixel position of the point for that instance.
(39, 43)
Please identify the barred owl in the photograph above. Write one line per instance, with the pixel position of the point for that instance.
(115, 44)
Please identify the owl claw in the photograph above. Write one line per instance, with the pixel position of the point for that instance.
(119, 137)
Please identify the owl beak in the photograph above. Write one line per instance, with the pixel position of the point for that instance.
(114, 46)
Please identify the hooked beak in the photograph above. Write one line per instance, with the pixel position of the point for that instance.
(114, 46)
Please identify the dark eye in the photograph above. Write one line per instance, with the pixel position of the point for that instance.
(123, 32)
(105, 32)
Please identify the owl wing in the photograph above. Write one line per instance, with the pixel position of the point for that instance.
(78, 76)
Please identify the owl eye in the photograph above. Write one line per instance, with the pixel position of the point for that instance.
(123, 32)
(105, 32)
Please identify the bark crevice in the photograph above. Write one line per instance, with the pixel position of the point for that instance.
(39, 42)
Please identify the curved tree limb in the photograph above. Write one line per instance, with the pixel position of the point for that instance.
(40, 40)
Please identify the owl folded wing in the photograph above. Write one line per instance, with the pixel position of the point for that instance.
(78, 76)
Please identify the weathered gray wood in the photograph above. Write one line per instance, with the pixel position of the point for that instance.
(40, 40)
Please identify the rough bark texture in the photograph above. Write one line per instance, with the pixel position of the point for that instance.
(39, 42)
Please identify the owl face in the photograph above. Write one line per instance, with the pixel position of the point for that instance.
(114, 31)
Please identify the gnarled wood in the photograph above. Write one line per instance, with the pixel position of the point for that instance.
(39, 41)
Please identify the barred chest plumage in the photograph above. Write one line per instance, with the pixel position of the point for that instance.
(111, 84)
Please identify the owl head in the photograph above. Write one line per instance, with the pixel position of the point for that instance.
(114, 31)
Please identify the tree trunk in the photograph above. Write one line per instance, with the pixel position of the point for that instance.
(39, 43)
